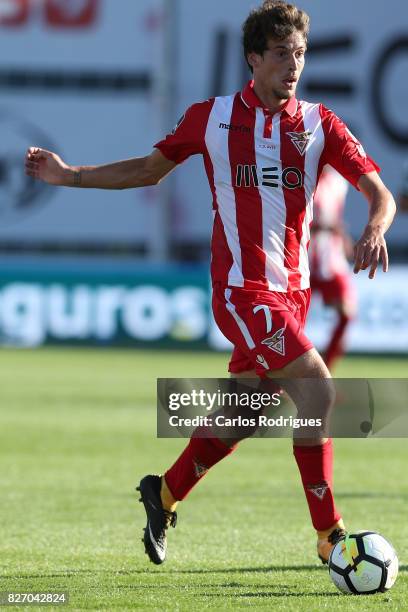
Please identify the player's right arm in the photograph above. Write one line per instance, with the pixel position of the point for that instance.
(186, 139)
(126, 174)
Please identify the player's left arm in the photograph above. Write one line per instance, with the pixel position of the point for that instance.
(371, 248)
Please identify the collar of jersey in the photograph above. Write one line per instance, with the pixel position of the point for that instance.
(251, 100)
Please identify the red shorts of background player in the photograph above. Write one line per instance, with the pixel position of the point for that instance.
(338, 289)
(265, 327)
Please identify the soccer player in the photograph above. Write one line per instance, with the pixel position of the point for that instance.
(263, 152)
(329, 247)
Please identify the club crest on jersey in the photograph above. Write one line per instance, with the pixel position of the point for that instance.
(276, 342)
(300, 140)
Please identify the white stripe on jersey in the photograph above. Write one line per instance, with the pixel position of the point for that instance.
(240, 322)
(273, 204)
(312, 123)
(216, 140)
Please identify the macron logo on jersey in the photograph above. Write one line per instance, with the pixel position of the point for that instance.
(300, 140)
(262, 361)
(244, 129)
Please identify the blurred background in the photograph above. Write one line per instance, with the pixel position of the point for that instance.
(100, 80)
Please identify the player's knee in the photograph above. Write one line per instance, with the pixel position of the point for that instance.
(326, 395)
(309, 365)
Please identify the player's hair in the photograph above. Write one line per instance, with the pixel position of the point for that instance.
(273, 19)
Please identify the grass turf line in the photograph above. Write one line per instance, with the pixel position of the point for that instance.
(78, 430)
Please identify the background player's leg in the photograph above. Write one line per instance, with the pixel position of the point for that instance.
(335, 348)
(339, 294)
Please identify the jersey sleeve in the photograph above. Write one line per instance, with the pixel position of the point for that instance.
(188, 136)
(342, 150)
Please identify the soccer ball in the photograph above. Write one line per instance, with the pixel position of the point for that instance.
(363, 563)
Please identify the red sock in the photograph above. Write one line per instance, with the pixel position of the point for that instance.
(315, 464)
(198, 457)
(335, 348)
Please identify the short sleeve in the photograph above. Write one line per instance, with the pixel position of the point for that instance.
(188, 136)
(342, 150)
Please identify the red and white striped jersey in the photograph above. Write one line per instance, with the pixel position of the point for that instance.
(327, 255)
(263, 170)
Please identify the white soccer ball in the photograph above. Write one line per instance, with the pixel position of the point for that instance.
(363, 563)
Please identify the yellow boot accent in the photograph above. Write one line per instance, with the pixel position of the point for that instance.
(168, 501)
(324, 545)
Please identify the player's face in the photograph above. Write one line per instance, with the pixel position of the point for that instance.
(279, 68)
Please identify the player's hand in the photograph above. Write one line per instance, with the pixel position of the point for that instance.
(369, 251)
(46, 166)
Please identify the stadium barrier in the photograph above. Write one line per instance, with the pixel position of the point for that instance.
(120, 304)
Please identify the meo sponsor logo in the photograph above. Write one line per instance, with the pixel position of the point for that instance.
(247, 175)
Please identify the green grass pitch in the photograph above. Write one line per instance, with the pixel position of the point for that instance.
(78, 431)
